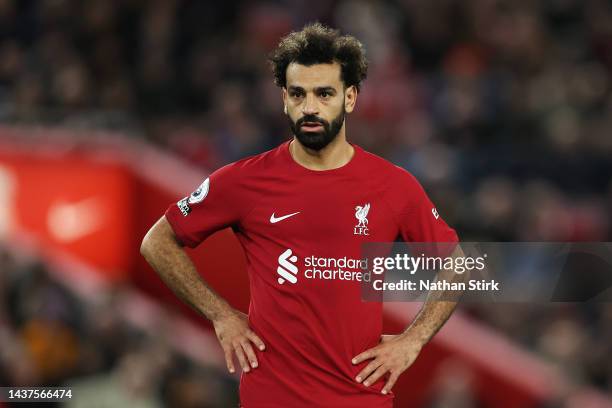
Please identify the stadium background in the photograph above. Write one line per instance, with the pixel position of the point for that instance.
(502, 109)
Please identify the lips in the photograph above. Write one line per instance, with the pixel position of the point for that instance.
(311, 126)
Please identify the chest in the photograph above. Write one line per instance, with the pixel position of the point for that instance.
(343, 216)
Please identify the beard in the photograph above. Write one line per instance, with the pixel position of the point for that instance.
(317, 140)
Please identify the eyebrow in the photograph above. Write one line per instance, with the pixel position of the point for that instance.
(327, 88)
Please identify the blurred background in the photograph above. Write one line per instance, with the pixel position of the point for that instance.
(111, 110)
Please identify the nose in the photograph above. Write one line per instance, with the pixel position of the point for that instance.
(310, 105)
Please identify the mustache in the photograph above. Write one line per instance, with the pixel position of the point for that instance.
(312, 119)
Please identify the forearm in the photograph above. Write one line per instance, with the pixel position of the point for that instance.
(177, 271)
(429, 320)
(437, 308)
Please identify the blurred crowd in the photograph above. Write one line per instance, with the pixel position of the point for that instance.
(575, 338)
(501, 108)
(50, 336)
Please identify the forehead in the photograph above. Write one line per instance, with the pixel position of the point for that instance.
(312, 76)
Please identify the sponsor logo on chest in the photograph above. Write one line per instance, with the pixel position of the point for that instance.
(320, 268)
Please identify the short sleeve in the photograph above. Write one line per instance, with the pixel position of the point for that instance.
(210, 208)
(417, 217)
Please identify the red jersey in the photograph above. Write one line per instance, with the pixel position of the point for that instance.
(302, 232)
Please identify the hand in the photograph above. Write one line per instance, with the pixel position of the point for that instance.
(392, 356)
(235, 336)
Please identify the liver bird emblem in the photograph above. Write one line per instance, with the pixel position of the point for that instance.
(361, 213)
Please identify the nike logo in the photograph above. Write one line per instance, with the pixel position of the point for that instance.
(274, 220)
(70, 221)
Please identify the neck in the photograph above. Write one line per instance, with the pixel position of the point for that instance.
(336, 154)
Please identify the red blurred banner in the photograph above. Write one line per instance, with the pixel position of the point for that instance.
(72, 203)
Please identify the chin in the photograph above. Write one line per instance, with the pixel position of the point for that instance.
(314, 141)
(314, 145)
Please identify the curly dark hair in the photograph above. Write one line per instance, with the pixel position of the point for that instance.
(319, 44)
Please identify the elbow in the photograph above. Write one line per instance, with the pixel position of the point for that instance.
(145, 246)
(148, 242)
(159, 237)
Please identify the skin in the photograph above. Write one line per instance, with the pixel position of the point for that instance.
(319, 90)
(310, 90)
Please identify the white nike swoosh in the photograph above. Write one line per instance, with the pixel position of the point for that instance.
(71, 221)
(274, 220)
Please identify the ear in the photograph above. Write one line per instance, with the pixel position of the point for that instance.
(350, 98)
(285, 100)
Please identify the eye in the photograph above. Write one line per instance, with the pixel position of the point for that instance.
(296, 94)
(324, 94)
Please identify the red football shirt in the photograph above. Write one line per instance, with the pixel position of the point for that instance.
(302, 231)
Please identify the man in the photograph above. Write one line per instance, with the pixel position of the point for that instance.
(308, 340)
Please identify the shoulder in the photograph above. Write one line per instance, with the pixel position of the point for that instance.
(252, 165)
(249, 168)
(398, 187)
(232, 185)
(386, 173)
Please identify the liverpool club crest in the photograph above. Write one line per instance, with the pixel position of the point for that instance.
(361, 213)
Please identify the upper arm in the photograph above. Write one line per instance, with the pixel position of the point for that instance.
(159, 234)
(417, 217)
(219, 202)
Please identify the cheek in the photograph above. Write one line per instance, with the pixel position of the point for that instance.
(293, 115)
(339, 104)
(333, 108)
(294, 109)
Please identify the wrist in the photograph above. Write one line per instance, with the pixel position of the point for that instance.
(223, 312)
(414, 337)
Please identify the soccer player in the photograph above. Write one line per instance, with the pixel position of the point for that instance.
(299, 211)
